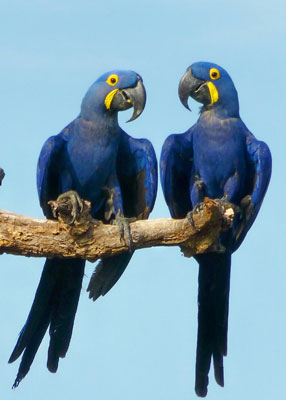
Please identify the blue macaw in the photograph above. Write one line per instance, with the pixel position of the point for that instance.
(95, 159)
(219, 158)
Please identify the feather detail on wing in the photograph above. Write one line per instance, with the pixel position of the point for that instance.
(138, 180)
(175, 166)
(259, 158)
(48, 179)
(137, 175)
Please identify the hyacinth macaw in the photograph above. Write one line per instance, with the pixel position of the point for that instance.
(95, 159)
(219, 158)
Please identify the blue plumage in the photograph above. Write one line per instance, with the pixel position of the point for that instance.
(219, 158)
(118, 175)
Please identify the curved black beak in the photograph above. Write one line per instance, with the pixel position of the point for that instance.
(137, 97)
(196, 88)
(131, 97)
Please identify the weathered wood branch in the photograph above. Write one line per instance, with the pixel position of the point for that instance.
(21, 235)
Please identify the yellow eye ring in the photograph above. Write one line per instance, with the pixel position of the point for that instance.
(214, 74)
(112, 80)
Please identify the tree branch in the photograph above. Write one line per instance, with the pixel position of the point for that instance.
(21, 235)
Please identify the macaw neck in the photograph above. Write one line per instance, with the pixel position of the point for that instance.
(101, 116)
(223, 111)
(212, 115)
(227, 105)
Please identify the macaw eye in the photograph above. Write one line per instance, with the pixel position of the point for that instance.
(112, 80)
(214, 73)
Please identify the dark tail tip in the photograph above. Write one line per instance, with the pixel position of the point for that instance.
(218, 368)
(219, 377)
(201, 387)
(11, 359)
(53, 362)
(94, 288)
(17, 381)
(201, 392)
(15, 354)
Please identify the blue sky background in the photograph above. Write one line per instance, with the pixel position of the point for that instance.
(139, 341)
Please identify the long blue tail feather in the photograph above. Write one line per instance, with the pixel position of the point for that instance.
(213, 298)
(55, 304)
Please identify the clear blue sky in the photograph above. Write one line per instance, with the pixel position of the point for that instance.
(139, 341)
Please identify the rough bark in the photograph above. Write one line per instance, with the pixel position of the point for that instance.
(21, 235)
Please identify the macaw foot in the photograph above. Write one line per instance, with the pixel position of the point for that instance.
(123, 224)
(223, 200)
(68, 205)
(246, 207)
(190, 215)
(245, 212)
(225, 203)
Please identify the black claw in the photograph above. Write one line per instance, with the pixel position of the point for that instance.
(123, 224)
(222, 201)
(190, 219)
(246, 207)
(69, 205)
(77, 205)
(190, 215)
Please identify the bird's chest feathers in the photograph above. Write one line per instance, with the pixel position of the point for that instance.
(219, 149)
(92, 154)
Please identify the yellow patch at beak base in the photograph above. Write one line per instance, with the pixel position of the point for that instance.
(109, 98)
(213, 92)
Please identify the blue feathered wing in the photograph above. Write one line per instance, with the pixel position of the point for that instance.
(138, 179)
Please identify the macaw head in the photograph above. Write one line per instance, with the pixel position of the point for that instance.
(210, 85)
(112, 92)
